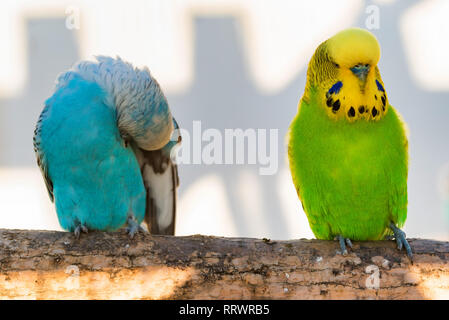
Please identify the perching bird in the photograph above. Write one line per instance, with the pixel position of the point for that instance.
(347, 146)
(89, 141)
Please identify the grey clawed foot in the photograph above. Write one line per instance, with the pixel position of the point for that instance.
(133, 227)
(401, 240)
(80, 228)
(348, 242)
(343, 243)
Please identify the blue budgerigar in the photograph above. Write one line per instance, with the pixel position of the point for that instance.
(103, 143)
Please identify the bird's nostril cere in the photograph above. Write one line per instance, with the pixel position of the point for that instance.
(360, 70)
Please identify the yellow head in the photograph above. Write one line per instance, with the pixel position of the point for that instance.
(344, 73)
(354, 46)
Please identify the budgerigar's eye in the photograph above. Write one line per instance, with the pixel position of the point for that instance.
(336, 65)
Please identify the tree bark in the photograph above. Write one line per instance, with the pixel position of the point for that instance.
(100, 265)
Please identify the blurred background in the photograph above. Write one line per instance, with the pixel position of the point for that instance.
(229, 64)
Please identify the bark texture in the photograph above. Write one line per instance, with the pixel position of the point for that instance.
(53, 265)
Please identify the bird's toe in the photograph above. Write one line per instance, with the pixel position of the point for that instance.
(401, 240)
(80, 228)
(343, 243)
(133, 227)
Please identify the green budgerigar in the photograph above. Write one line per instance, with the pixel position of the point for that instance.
(347, 146)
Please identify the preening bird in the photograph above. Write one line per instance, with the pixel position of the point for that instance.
(104, 143)
(347, 146)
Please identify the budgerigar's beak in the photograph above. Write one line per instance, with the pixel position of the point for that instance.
(361, 71)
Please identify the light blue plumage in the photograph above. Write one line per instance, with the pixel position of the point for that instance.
(86, 139)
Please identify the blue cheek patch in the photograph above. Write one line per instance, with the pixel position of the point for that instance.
(379, 86)
(335, 88)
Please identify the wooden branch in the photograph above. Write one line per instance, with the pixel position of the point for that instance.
(53, 265)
